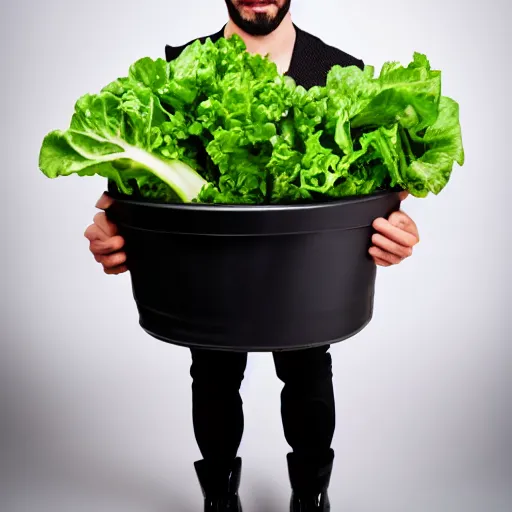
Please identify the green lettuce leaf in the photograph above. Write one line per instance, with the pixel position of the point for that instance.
(120, 138)
(438, 149)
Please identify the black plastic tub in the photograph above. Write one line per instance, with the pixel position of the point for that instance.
(252, 278)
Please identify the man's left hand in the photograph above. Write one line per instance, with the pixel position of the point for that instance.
(395, 238)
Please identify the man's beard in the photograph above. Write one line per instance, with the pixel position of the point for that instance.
(261, 24)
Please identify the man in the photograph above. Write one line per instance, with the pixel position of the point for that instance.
(308, 408)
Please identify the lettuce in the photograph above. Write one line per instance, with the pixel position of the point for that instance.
(361, 133)
(220, 125)
(123, 138)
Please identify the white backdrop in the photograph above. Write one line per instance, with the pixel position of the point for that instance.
(96, 415)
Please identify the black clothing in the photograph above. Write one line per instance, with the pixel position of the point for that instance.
(308, 406)
(307, 402)
(311, 60)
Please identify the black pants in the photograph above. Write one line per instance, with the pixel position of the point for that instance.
(307, 402)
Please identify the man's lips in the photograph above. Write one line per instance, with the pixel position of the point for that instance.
(258, 5)
(258, 2)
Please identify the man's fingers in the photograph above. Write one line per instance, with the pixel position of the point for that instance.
(104, 202)
(390, 246)
(116, 270)
(93, 233)
(100, 229)
(401, 220)
(111, 260)
(398, 229)
(381, 263)
(108, 246)
(106, 225)
(378, 253)
(104, 241)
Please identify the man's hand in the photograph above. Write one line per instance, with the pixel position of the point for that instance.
(395, 238)
(104, 241)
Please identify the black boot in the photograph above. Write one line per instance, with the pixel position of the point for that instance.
(309, 483)
(220, 485)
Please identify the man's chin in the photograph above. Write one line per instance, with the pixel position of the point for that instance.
(259, 25)
(257, 20)
(258, 29)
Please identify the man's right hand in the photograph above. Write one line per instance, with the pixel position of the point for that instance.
(104, 242)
